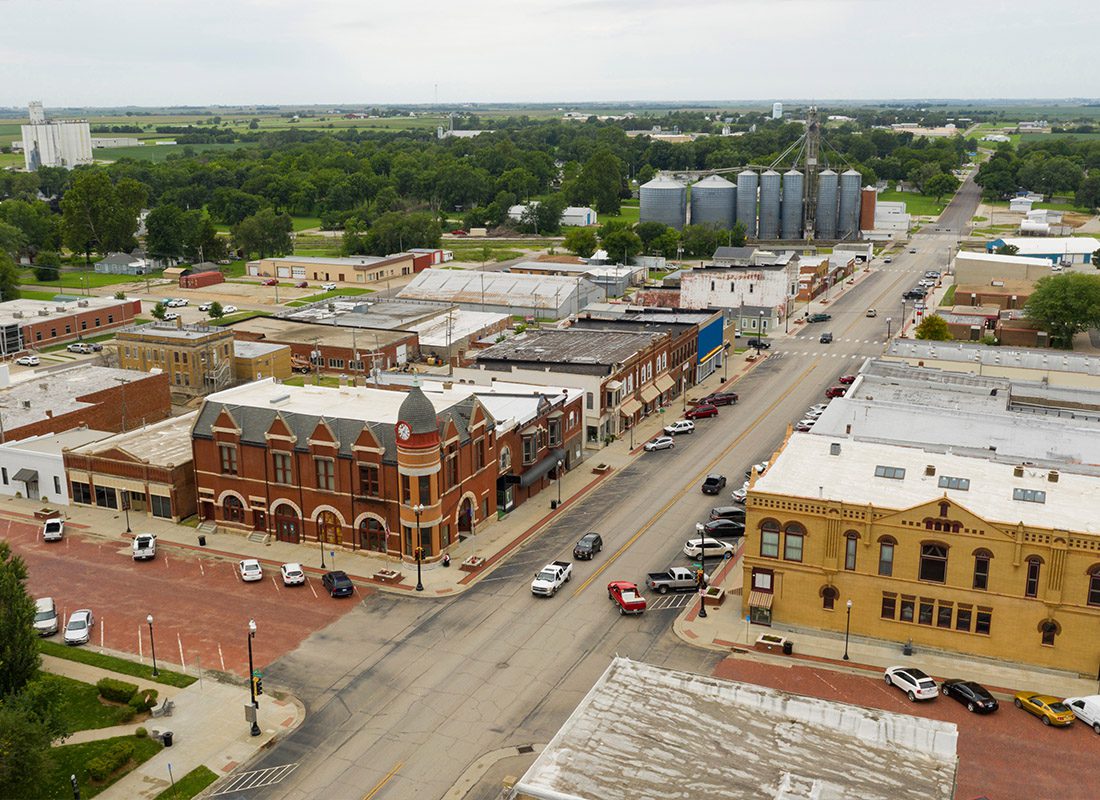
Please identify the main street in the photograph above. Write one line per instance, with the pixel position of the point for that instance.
(404, 694)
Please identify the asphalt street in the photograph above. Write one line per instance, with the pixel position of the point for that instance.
(404, 694)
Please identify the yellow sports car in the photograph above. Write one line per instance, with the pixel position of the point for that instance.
(1050, 710)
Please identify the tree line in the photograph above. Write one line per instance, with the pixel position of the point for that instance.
(1056, 166)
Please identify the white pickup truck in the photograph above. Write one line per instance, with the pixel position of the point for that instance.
(145, 546)
(551, 577)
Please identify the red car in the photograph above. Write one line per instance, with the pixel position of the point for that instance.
(626, 597)
(836, 391)
(846, 379)
(701, 412)
(270, 282)
(301, 285)
(717, 399)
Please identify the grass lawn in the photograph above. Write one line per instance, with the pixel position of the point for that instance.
(629, 212)
(70, 760)
(114, 664)
(158, 152)
(302, 223)
(189, 785)
(75, 277)
(80, 704)
(948, 297)
(921, 205)
(313, 298)
(31, 294)
(229, 319)
(324, 380)
(11, 160)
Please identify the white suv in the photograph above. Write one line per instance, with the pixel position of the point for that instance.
(914, 682)
(680, 426)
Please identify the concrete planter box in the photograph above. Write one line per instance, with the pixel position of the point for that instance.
(46, 513)
(714, 596)
(472, 564)
(770, 643)
(388, 576)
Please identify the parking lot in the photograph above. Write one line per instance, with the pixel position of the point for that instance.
(199, 604)
(1008, 754)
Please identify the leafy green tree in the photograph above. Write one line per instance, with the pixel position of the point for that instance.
(120, 295)
(648, 231)
(1064, 305)
(47, 267)
(581, 241)
(30, 722)
(38, 225)
(940, 184)
(231, 206)
(265, 232)
(700, 241)
(9, 278)
(200, 238)
(159, 310)
(934, 328)
(394, 232)
(667, 244)
(18, 642)
(164, 231)
(543, 217)
(215, 311)
(620, 241)
(738, 235)
(600, 183)
(100, 216)
(1088, 193)
(12, 240)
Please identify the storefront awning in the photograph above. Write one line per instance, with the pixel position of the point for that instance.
(613, 386)
(27, 475)
(650, 393)
(664, 383)
(630, 407)
(539, 470)
(760, 599)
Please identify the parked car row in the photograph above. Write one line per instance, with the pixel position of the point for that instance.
(78, 628)
(336, 583)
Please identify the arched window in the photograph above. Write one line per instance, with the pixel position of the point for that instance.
(232, 509)
(1049, 629)
(981, 568)
(933, 562)
(505, 458)
(851, 542)
(886, 545)
(793, 539)
(1031, 586)
(372, 535)
(1094, 585)
(829, 594)
(769, 538)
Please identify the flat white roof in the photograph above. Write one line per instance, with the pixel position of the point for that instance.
(1052, 245)
(444, 329)
(644, 732)
(166, 443)
(996, 258)
(56, 442)
(806, 468)
(31, 309)
(244, 349)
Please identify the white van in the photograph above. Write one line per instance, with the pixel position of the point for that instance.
(45, 616)
(1086, 709)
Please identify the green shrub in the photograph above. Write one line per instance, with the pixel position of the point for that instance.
(116, 691)
(126, 715)
(104, 765)
(143, 700)
(141, 733)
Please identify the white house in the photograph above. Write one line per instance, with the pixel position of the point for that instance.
(1020, 204)
(35, 468)
(122, 264)
(578, 215)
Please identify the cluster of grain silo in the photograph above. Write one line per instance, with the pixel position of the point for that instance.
(827, 184)
(847, 223)
(663, 200)
(713, 202)
(747, 183)
(769, 205)
(793, 188)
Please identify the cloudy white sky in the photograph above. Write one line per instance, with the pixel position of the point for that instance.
(198, 52)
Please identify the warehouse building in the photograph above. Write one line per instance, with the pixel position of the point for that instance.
(759, 296)
(27, 324)
(537, 296)
(1057, 368)
(1063, 250)
(352, 270)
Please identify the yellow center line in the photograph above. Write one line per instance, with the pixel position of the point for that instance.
(378, 786)
(687, 487)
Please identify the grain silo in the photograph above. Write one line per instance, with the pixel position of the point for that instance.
(747, 182)
(713, 202)
(827, 182)
(848, 216)
(769, 205)
(793, 186)
(664, 200)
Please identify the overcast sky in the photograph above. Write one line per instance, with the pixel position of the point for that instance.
(198, 52)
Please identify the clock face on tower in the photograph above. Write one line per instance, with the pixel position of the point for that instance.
(403, 431)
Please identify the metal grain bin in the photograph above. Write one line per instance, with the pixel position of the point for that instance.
(827, 187)
(769, 205)
(713, 201)
(848, 217)
(747, 182)
(794, 184)
(664, 200)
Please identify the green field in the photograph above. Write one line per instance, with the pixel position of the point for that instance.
(70, 760)
(302, 223)
(629, 212)
(920, 205)
(1046, 137)
(151, 152)
(78, 278)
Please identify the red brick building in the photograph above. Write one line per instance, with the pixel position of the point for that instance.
(333, 348)
(101, 398)
(358, 467)
(27, 324)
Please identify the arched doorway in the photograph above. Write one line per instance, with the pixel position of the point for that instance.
(328, 527)
(287, 524)
(232, 509)
(372, 535)
(466, 516)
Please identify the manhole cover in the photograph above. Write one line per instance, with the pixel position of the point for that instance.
(525, 749)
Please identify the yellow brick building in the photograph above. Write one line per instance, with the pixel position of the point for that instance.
(254, 361)
(198, 359)
(953, 552)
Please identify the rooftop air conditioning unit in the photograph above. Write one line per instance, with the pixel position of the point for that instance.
(1052, 476)
(930, 469)
(82, 303)
(17, 314)
(1018, 471)
(43, 312)
(834, 449)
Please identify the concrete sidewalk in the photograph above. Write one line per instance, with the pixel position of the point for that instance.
(207, 724)
(726, 629)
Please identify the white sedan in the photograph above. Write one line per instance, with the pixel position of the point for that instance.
(230, 309)
(714, 548)
(205, 306)
(251, 570)
(78, 630)
(329, 287)
(28, 361)
(293, 574)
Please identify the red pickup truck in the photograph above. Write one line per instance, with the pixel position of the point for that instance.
(626, 597)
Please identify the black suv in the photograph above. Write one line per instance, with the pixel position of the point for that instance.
(915, 294)
(588, 546)
(714, 483)
(719, 399)
(759, 344)
(736, 513)
(338, 584)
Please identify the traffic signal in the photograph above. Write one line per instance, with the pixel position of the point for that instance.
(258, 682)
(419, 553)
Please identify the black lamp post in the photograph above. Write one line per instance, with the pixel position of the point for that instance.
(559, 482)
(321, 542)
(252, 679)
(702, 576)
(847, 629)
(418, 509)
(152, 645)
(126, 509)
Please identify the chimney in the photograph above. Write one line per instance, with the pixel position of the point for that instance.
(930, 469)
(1018, 471)
(49, 413)
(1052, 476)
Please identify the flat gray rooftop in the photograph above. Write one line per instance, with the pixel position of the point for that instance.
(572, 346)
(647, 733)
(28, 400)
(975, 354)
(244, 349)
(353, 311)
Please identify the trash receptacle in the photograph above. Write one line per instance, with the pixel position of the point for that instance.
(202, 540)
(788, 647)
(166, 737)
(553, 504)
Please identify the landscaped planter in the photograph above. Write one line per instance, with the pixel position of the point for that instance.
(770, 643)
(46, 513)
(472, 564)
(714, 596)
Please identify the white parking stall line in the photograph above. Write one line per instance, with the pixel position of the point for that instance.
(202, 571)
(183, 663)
(102, 631)
(275, 583)
(312, 589)
(221, 658)
(141, 655)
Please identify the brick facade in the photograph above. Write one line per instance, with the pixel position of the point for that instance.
(80, 323)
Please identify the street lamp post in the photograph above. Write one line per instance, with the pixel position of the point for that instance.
(126, 508)
(760, 334)
(559, 482)
(847, 629)
(152, 645)
(321, 542)
(418, 509)
(252, 679)
(703, 575)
